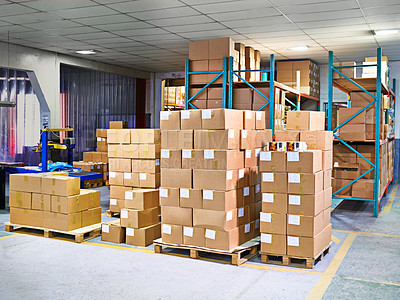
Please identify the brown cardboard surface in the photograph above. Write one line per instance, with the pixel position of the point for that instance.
(254, 176)
(131, 180)
(263, 137)
(287, 135)
(20, 200)
(198, 66)
(40, 202)
(304, 162)
(216, 220)
(170, 120)
(309, 205)
(190, 119)
(91, 216)
(309, 226)
(353, 132)
(273, 223)
(70, 204)
(222, 240)
(142, 199)
(260, 120)
(65, 222)
(123, 136)
(145, 136)
(220, 159)
(305, 183)
(361, 99)
(177, 215)
(249, 119)
(317, 140)
(101, 145)
(274, 182)
(118, 124)
(216, 139)
(181, 178)
(305, 120)
(100, 132)
(116, 205)
(248, 195)
(346, 113)
(273, 244)
(149, 180)
(221, 119)
(194, 236)
(215, 179)
(274, 161)
(112, 136)
(246, 232)
(243, 214)
(338, 184)
(198, 50)
(118, 192)
(215, 65)
(112, 232)
(61, 185)
(171, 158)
(190, 198)
(274, 203)
(143, 237)
(26, 217)
(149, 151)
(146, 165)
(251, 157)
(177, 139)
(327, 159)
(120, 165)
(220, 47)
(169, 196)
(192, 159)
(172, 234)
(347, 172)
(221, 200)
(201, 96)
(26, 183)
(248, 139)
(327, 179)
(133, 218)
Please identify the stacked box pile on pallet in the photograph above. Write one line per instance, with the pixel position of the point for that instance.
(296, 173)
(134, 163)
(210, 193)
(52, 201)
(286, 72)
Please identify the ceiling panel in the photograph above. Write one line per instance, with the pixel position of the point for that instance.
(245, 14)
(144, 5)
(195, 27)
(181, 21)
(30, 18)
(316, 7)
(49, 5)
(328, 15)
(82, 12)
(230, 6)
(141, 32)
(113, 19)
(15, 9)
(157, 14)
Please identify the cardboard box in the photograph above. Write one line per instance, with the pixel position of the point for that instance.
(100, 132)
(146, 165)
(260, 120)
(192, 93)
(118, 192)
(272, 223)
(181, 178)
(40, 202)
(363, 188)
(274, 161)
(327, 179)
(346, 113)
(172, 234)
(249, 119)
(120, 165)
(149, 151)
(100, 157)
(216, 220)
(194, 236)
(274, 203)
(263, 137)
(198, 50)
(91, 216)
(118, 124)
(287, 135)
(251, 157)
(20, 200)
(221, 119)
(215, 65)
(61, 185)
(304, 162)
(143, 237)
(222, 240)
(215, 179)
(274, 182)
(169, 196)
(70, 204)
(177, 139)
(199, 104)
(23, 216)
(350, 171)
(309, 205)
(190, 198)
(116, 205)
(123, 136)
(221, 200)
(26, 183)
(190, 119)
(305, 183)
(133, 218)
(198, 66)
(131, 180)
(126, 151)
(220, 159)
(242, 95)
(192, 159)
(145, 136)
(170, 120)
(142, 199)
(149, 180)
(317, 140)
(101, 145)
(273, 244)
(327, 159)
(246, 232)
(112, 232)
(177, 215)
(353, 132)
(64, 222)
(214, 104)
(309, 226)
(338, 184)
(248, 139)
(111, 136)
(220, 47)
(309, 247)
(216, 139)
(171, 159)
(305, 120)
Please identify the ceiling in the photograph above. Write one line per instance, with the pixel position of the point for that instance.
(153, 35)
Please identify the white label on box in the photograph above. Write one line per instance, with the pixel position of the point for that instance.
(208, 195)
(229, 175)
(266, 238)
(293, 220)
(294, 177)
(128, 195)
(113, 201)
(294, 199)
(248, 153)
(99, 139)
(185, 114)
(293, 156)
(142, 176)
(268, 177)
(246, 191)
(244, 133)
(124, 214)
(247, 228)
(293, 241)
(268, 197)
(163, 193)
(229, 215)
(112, 174)
(257, 152)
(157, 161)
(166, 229)
(248, 114)
(258, 188)
(257, 223)
(184, 193)
(208, 154)
(258, 115)
(206, 114)
(241, 212)
(241, 173)
(188, 231)
(105, 228)
(128, 176)
(231, 134)
(186, 153)
(130, 231)
(164, 153)
(210, 234)
(164, 115)
(265, 156)
(265, 217)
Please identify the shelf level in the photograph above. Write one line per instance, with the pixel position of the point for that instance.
(368, 83)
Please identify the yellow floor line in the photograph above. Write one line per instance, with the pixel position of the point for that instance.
(7, 236)
(104, 213)
(335, 239)
(389, 204)
(323, 283)
(118, 247)
(367, 233)
(373, 281)
(273, 268)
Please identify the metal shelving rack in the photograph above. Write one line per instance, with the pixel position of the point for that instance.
(366, 85)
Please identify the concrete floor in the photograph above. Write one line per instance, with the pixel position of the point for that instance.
(363, 264)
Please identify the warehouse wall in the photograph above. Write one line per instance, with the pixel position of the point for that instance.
(46, 66)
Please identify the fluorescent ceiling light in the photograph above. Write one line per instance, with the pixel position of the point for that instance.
(386, 32)
(300, 48)
(85, 52)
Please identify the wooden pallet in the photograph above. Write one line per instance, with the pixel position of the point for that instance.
(294, 261)
(80, 235)
(89, 185)
(237, 257)
(112, 214)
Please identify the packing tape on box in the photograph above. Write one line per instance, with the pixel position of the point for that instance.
(293, 241)
(105, 228)
(59, 208)
(188, 231)
(265, 217)
(18, 196)
(130, 231)
(167, 229)
(293, 219)
(229, 216)
(42, 205)
(268, 197)
(210, 234)
(294, 200)
(266, 238)
(26, 178)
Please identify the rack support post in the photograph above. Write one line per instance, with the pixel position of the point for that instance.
(330, 90)
(272, 92)
(377, 131)
(186, 83)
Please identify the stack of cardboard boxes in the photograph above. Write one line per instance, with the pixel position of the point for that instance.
(52, 202)
(370, 72)
(286, 72)
(210, 194)
(174, 95)
(296, 188)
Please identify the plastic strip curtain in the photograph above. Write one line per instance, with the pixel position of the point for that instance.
(91, 99)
